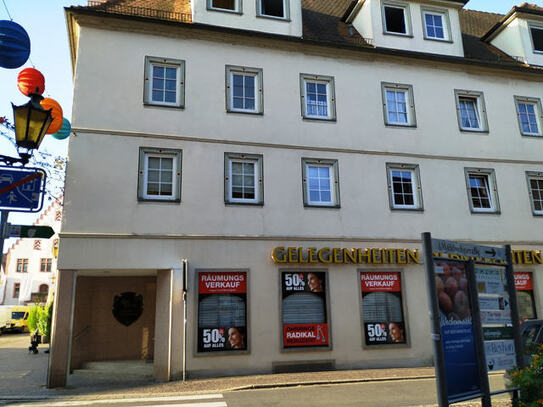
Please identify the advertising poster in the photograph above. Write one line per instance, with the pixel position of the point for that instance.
(305, 322)
(222, 299)
(382, 310)
(523, 281)
(457, 330)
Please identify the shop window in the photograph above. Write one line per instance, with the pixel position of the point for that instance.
(525, 295)
(244, 90)
(304, 309)
(273, 8)
(404, 186)
(396, 18)
(159, 175)
(537, 38)
(382, 309)
(22, 266)
(482, 190)
(164, 83)
(222, 311)
(243, 179)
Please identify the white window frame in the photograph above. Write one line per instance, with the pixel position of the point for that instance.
(257, 73)
(480, 106)
(415, 186)
(255, 159)
(409, 100)
(179, 65)
(334, 182)
(330, 95)
(490, 176)
(145, 154)
(286, 11)
(534, 175)
(406, 16)
(237, 7)
(447, 37)
(535, 26)
(536, 102)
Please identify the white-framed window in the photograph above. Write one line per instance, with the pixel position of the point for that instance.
(482, 190)
(535, 191)
(471, 110)
(317, 97)
(164, 82)
(396, 18)
(404, 187)
(159, 174)
(320, 182)
(243, 183)
(398, 104)
(232, 6)
(529, 115)
(273, 9)
(436, 25)
(244, 90)
(536, 34)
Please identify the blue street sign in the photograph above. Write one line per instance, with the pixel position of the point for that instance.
(21, 189)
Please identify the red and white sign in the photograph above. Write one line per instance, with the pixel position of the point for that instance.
(305, 335)
(380, 281)
(524, 282)
(228, 282)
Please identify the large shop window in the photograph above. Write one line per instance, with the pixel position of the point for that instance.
(304, 309)
(222, 311)
(525, 295)
(382, 310)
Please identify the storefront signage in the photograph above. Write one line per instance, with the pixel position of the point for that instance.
(496, 317)
(382, 309)
(523, 281)
(222, 302)
(500, 362)
(497, 333)
(337, 255)
(305, 335)
(493, 348)
(494, 303)
(527, 256)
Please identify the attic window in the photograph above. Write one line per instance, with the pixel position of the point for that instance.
(272, 8)
(537, 38)
(231, 5)
(395, 19)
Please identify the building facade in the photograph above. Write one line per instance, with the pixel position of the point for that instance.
(31, 264)
(266, 169)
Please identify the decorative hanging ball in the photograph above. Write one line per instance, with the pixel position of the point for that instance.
(30, 81)
(56, 112)
(14, 45)
(64, 131)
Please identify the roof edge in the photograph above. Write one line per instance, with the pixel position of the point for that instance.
(516, 9)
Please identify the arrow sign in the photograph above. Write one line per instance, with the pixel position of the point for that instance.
(40, 232)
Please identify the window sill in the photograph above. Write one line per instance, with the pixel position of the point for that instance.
(308, 205)
(385, 346)
(179, 107)
(398, 34)
(474, 131)
(439, 40)
(230, 203)
(403, 126)
(325, 348)
(224, 10)
(474, 212)
(536, 214)
(532, 135)
(245, 112)
(408, 209)
(165, 201)
(319, 119)
(224, 353)
(283, 19)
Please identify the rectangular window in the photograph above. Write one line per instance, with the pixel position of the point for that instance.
(436, 24)
(225, 5)
(470, 106)
(45, 265)
(529, 115)
(22, 265)
(382, 308)
(404, 186)
(398, 104)
(320, 182)
(524, 285)
(16, 290)
(164, 82)
(159, 174)
(317, 97)
(273, 8)
(482, 190)
(304, 309)
(535, 190)
(243, 178)
(222, 311)
(396, 19)
(244, 90)
(537, 38)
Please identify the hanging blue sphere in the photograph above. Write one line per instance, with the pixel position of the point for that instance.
(64, 131)
(14, 45)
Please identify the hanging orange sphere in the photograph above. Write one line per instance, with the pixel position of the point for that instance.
(56, 112)
(30, 81)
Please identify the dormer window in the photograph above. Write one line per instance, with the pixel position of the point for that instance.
(396, 19)
(436, 24)
(225, 5)
(273, 8)
(537, 37)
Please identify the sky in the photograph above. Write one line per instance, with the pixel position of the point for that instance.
(46, 25)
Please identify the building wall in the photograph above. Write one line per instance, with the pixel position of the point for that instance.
(97, 335)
